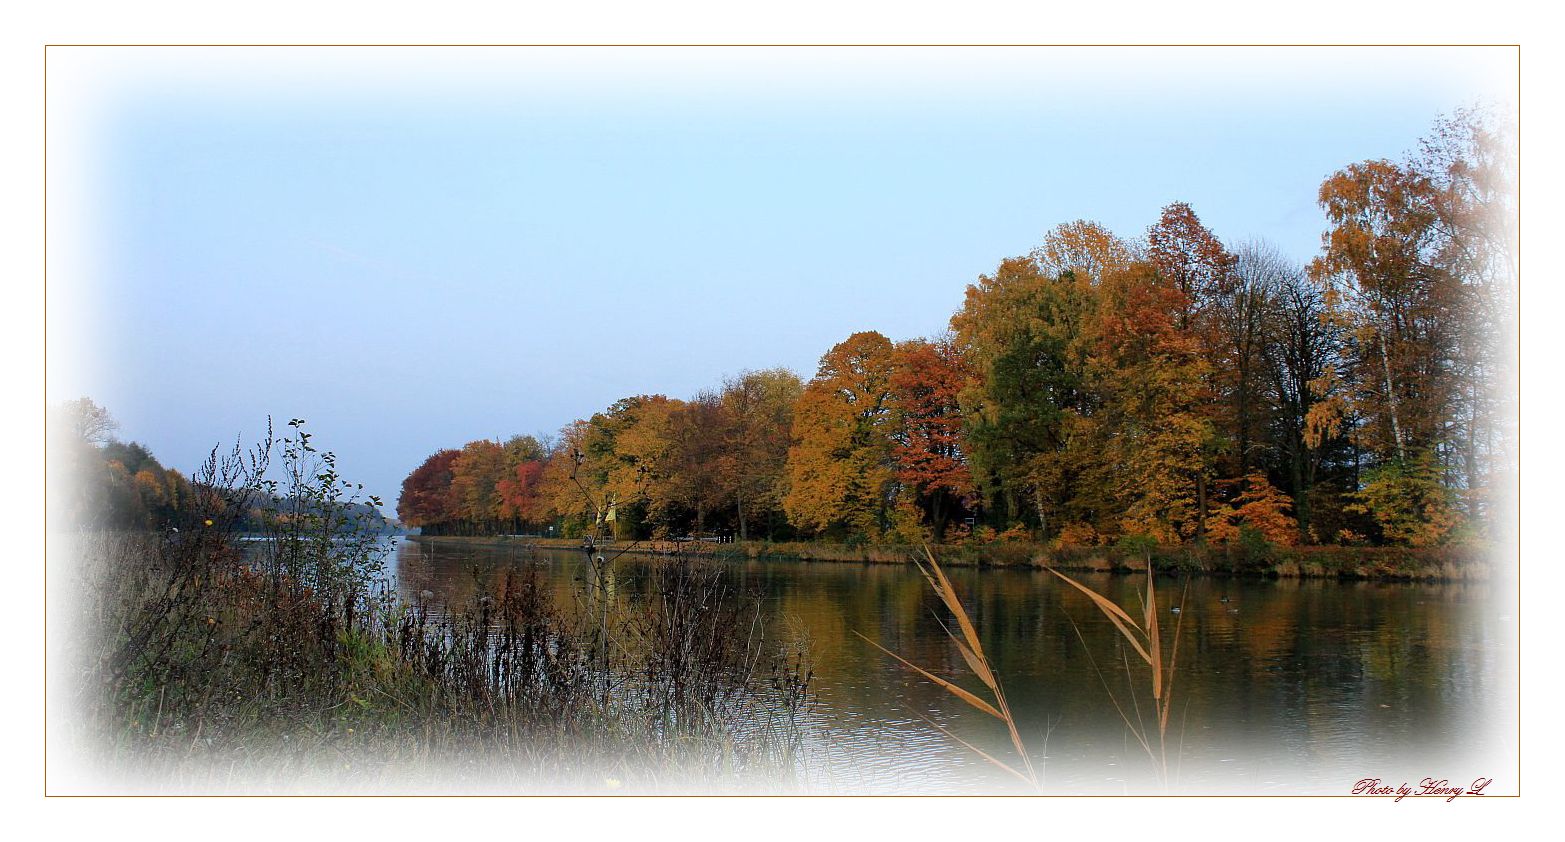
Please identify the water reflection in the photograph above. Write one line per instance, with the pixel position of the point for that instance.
(1286, 686)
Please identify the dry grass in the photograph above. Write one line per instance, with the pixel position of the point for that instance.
(1145, 638)
(966, 639)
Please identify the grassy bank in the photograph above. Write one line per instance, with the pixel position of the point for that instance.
(1452, 563)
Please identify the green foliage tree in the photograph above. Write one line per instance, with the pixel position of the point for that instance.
(1027, 339)
(1409, 503)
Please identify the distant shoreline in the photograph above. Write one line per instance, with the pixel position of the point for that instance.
(1437, 564)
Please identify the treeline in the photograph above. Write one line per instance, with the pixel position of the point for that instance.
(1168, 387)
(648, 465)
(100, 482)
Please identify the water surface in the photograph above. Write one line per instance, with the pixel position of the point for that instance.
(1281, 686)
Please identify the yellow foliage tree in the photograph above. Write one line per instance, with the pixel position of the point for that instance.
(839, 471)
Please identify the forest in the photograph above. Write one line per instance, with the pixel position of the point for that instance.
(1167, 386)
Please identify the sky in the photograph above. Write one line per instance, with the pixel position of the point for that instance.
(415, 248)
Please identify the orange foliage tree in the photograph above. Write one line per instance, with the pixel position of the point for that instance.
(930, 453)
(1260, 506)
(475, 475)
(1151, 374)
(758, 409)
(839, 472)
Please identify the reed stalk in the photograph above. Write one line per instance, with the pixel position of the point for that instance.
(1145, 638)
(967, 642)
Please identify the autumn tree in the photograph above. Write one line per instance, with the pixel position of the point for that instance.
(574, 477)
(1084, 249)
(635, 443)
(1153, 426)
(606, 473)
(518, 486)
(1418, 267)
(521, 493)
(475, 477)
(1260, 506)
(83, 420)
(1222, 320)
(700, 477)
(426, 500)
(1401, 311)
(1026, 337)
(839, 472)
(930, 451)
(1194, 260)
(129, 489)
(758, 409)
(1409, 502)
(1469, 159)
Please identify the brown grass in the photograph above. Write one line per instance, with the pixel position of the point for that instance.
(1145, 638)
(966, 639)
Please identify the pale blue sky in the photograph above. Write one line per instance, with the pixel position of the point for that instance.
(415, 249)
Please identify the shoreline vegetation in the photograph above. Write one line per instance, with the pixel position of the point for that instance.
(203, 660)
(1435, 564)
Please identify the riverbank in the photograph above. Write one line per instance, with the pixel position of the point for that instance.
(1463, 563)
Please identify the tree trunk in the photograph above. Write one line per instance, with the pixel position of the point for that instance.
(1043, 518)
(740, 502)
(1391, 395)
(1200, 496)
(1471, 457)
(1301, 508)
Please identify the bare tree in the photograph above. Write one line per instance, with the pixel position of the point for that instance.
(85, 420)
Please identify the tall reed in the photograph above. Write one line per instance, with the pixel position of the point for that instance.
(968, 643)
(1145, 638)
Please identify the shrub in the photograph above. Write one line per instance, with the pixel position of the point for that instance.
(1077, 534)
(1408, 502)
(1254, 548)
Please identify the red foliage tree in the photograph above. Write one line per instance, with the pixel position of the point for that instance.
(426, 493)
(519, 499)
(929, 455)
